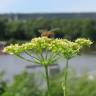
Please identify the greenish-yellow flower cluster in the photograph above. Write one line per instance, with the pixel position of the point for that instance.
(41, 43)
(83, 42)
(67, 48)
(37, 45)
(13, 49)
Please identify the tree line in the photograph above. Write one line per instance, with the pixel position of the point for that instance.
(26, 30)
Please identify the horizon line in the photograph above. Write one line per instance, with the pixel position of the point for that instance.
(46, 12)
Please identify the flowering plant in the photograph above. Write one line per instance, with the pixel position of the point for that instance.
(40, 49)
(52, 48)
(68, 50)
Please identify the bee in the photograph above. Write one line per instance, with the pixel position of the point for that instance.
(49, 34)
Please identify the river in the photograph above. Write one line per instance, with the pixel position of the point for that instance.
(12, 65)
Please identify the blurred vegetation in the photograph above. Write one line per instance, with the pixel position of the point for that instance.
(84, 85)
(26, 30)
(25, 84)
(3, 83)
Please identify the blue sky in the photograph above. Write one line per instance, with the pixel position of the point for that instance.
(41, 6)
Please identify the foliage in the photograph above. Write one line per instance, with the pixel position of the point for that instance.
(70, 28)
(77, 85)
(23, 85)
(3, 83)
(2, 28)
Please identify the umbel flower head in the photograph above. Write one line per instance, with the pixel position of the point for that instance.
(83, 42)
(67, 48)
(37, 44)
(13, 49)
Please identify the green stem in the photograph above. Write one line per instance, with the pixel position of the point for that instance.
(65, 78)
(23, 58)
(47, 80)
(32, 56)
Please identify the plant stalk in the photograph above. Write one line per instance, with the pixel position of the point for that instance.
(47, 80)
(65, 78)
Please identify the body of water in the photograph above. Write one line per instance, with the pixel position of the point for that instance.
(12, 65)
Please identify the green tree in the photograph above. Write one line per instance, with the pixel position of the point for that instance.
(2, 28)
(89, 29)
